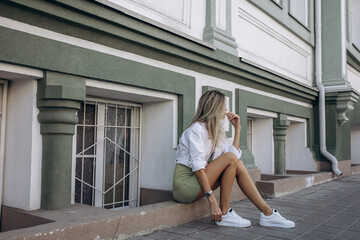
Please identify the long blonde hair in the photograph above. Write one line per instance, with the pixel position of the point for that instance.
(209, 111)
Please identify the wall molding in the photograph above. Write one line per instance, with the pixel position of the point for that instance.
(272, 32)
(284, 40)
(185, 19)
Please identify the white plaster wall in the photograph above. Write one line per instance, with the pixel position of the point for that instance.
(263, 144)
(157, 152)
(353, 77)
(23, 147)
(298, 156)
(355, 140)
(183, 15)
(265, 43)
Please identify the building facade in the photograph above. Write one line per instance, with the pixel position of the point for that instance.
(95, 94)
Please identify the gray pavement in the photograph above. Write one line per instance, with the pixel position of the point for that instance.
(327, 211)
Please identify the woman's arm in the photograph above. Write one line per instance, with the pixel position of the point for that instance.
(235, 121)
(216, 214)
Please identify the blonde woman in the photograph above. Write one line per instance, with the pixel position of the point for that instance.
(206, 161)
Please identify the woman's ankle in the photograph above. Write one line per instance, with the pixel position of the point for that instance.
(224, 210)
(268, 212)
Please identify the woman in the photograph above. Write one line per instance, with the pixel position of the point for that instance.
(206, 161)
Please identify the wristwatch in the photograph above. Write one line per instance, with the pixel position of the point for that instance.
(207, 195)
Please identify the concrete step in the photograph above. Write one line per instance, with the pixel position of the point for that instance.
(271, 186)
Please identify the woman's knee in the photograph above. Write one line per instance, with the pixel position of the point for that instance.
(231, 157)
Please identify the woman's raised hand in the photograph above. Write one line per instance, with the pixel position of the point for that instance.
(234, 119)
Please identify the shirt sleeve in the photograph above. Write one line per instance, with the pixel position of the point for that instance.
(228, 147)
(197, 150)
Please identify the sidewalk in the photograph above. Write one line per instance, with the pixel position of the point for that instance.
(327, 211)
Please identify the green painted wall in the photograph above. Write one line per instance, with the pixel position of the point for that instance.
(332, 61)
(338, 138)
(114, 29)
(61, 57)
(245, 99)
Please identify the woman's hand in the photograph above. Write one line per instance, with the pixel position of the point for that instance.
(216, 214)
(234, 119)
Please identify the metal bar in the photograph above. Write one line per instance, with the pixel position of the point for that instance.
(85, 183)
(114, 165)
(121, 179)
(82, 159)
(107, 126)
(125, 144)
(104, 153)
(99, 173)
(94, 158)
(139, 151)
(2, 136)
(123, 149)
(111, 142)
(90, 99)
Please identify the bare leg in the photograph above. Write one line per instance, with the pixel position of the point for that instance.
(249, 189)
(222, 172)
(227, 180)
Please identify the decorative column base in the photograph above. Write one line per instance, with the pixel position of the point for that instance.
(248, 158)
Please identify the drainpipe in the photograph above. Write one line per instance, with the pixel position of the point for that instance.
(318, 75)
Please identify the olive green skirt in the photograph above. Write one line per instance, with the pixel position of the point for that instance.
(186, 187)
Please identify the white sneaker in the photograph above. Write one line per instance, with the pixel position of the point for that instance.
(231, 219)
(275, 220)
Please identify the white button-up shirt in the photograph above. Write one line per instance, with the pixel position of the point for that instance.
(194, 147)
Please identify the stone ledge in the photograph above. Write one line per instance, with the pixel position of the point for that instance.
(272, 186)
(86, 222)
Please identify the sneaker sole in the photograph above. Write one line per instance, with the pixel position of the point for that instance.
(232, 225)
(276, 225)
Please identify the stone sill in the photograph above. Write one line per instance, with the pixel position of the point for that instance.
(86, 222)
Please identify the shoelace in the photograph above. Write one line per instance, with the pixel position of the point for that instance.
(232, 212)
(277, 214)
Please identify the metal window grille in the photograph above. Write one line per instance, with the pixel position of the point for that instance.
(108, 154)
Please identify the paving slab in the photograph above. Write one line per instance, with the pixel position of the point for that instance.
(327, 211)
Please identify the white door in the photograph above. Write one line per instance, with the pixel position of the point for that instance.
(3, 97)
(107, 154)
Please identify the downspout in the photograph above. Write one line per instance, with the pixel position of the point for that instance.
(318, 75)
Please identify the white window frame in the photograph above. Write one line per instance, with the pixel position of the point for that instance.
(135, 147)
(278, 2)
(292, 11)
(2, 134)
(355, 31)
